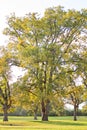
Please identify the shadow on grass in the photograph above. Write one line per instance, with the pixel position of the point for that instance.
(61, 122)
(10, 124)
(38, 122)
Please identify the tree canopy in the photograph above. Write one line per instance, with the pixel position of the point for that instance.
(50, 48)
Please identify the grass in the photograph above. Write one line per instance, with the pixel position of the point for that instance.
(54, 123)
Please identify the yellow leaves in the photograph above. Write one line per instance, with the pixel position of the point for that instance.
(21, 41)
(75, 90)
(2, 65)
(85, 95)
(4, 61)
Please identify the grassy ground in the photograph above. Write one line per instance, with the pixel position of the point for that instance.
(54, 123)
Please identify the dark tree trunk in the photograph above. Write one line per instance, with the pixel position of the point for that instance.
(75, 113)
(45, 110)
(5, 118)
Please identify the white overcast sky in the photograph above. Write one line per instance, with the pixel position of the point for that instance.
(22, 7)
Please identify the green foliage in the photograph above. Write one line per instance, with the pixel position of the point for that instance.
(52, 50)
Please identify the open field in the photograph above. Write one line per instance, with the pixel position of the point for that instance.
(55, 123)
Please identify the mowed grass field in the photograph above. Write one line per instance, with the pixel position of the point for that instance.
(54, 123)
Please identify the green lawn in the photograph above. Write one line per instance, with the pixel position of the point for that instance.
(54, 123)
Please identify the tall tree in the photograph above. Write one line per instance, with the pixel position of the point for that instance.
(43, 46)
(5, 88)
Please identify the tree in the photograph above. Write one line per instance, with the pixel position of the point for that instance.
(27, 96)
(5, 88)
(43, 46)
(75, 96)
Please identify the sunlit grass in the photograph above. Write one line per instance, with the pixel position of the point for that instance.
(54, 123)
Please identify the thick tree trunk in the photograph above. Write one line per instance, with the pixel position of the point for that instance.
(5, 118)
(45, 110)
(75, 113)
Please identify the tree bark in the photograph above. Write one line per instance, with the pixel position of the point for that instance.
(35, 113)
(45, 110)
(75, 113)
(35, 116)
(5, 118)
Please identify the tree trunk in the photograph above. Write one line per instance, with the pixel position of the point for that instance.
(35, 116)
(5, 118)
(75, 113)
(45, 110)
(35, 113)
